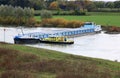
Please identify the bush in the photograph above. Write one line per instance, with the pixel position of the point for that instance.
(31, 22)
(61, 23)
(109, 29)
(106, 10)
(46, 14)
(72, 12)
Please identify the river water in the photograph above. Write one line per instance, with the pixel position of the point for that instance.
(104, 46)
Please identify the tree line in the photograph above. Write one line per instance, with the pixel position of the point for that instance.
(36, 4)
(62, 4)
(15, 15)
(84, 5)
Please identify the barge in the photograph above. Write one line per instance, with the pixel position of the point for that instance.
(36, 37)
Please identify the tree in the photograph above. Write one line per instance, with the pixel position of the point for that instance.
(50, 0)
(21, 3)
(28, 13)
(91, 6)
(109, 5)
(62, 5)
(117, 4)
(4, 2)
(72, 6)
(15, 15)
(83, 3)
(54, 5)
(38, 4)
(99, 4)
(46, 14)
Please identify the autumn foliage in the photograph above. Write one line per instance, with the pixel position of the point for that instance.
(54, 5)
(61, 23)
(111, 29)
(114, 29)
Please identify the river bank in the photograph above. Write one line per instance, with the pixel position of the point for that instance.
(107, 29)
(111, 29)
(29, 62)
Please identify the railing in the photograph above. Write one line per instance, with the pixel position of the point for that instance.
(57, 34)
(72, 32)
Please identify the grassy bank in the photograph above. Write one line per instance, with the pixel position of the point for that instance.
(104, 13)
(17, 61)
(99, 19)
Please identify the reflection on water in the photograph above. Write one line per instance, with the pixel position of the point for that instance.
(101, 45)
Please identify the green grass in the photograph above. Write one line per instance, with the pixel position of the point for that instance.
(104, 13)
(102, 18)
(38, 18)
(50, 54)
(51, 64)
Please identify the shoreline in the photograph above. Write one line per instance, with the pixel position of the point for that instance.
(111, 29)
(107, 29)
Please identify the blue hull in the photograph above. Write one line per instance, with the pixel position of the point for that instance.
(26, 41)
